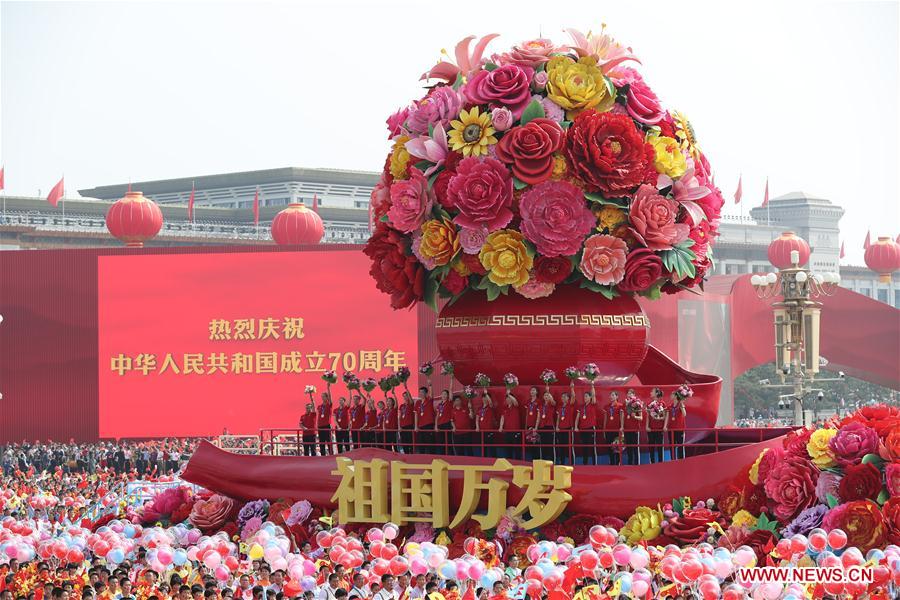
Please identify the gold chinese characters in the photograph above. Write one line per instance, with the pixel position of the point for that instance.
(420, 492)
(268, 328)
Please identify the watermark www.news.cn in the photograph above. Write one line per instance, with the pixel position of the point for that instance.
(851, 574)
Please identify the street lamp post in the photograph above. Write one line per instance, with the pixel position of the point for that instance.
(796, 327)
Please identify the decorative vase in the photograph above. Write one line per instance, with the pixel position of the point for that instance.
(571, 327)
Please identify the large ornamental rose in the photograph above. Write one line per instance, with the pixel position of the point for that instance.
(653, 219)
(795, 442)
(555, 218)
(482, 191)
(411, 202)
(506, 258)
(642, 105)
(211, 514)
(892, 478)
(608, 152)
(441, 105)
(791, 484)
(643, 268)
(508, 86)
(852, 442)
(603, 260)
(860, 482)
(396, 272)
(861, 521)
(891, 513)
(552, 269)
(577, 86)
(529, 149)
(690, 527)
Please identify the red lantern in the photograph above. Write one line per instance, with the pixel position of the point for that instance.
(134, 219)
(296, 224)
(781, 247)
(883, 257)
(569, 328)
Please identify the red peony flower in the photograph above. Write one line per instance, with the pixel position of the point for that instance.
(761, 541)
(551, 269)
(852, 442)
(861, 521)
(603, 259)
(482, 191)
(891, 512)
(892, 478)
(529, 149)
(473, 263)
(795, 442)
(643, 268)
(439, 187)
(890, 449)
(881, 418)
(653, 219)
(411, 202)
(730, 502)
(769, 460)
(210, 515)
(608, 152)
(507, 86)
(454, 282)
(691, 526)
(791, 484)
(860, 482)
(712, 203)
(395, 270)
(578, 527)
(555, 218)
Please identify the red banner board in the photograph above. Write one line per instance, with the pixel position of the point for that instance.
(194, 344)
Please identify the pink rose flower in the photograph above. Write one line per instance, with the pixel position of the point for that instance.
(653, 219)
(555, 217)
(791, 484)
(504, 86)
(502, 118)
(853, 441)
(411, 202)
(643, 105)
(892, 479)
(380, 199)
(643, 268)
(211, 514)
(396, 120)
(539, 81)
(472, 240)
(534, 289)
(532, 53)
(828, 483)
(482, 191)
(441, 105)
(603, 259)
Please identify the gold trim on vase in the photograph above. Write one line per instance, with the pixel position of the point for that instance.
(543, 321)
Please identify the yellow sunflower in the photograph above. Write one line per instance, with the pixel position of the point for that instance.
(472, 133)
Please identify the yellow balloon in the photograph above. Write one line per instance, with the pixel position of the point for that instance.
(256, 552)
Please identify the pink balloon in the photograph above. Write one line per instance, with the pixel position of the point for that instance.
(837, 539)
(597, 535)
(418, 566)
(374, 535)
(476, 570)
(621, 554)
(639, 588)
(589, 560)
(389, 552)
(399, 565)
(222, 573)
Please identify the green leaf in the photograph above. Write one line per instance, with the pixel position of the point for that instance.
(610, 87)
(565, 124)
(607, 291)
(458, 83)
(678, 505)
(519, 184)
(653, 293)
(874, 459)
(489, 66)
(599, 199)
(431, 287)
(832, 501)
(383, 218)
(534, 110)
(504, 289)
(422, 165)
(433, 177)
(883, 496)
(493, 292)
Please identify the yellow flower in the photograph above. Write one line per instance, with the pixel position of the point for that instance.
(472, 133)
(439, 241)
(461, 268)
(560, 168)
(506, 258)
(399, 157)
(577, 86)
(743, 518)
(443, 539)
(644, 524)
(684, 133)
(669, 159)
(819, 448)
(609, 217)
(754, 470)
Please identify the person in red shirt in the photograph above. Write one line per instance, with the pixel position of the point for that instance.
(391, 424)
(370, 425)
(424, 442)
(342, 426)
(532, 417)
(677, 419)
(308, 425)
(486, 425)
(510, 427)
(547, 427)
(611, 424)
(631, 425)
(656, 424)
(324, 424)
(407, 422)
(586, 425)
(565, 423)
(444, 423)
(382, 417)
(357, 420)
(463, 426)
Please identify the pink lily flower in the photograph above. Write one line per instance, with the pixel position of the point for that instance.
(431, 148)
(467, 62)
(687, 190)
(608, 52)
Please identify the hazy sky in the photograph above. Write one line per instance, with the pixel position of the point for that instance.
(804, 93)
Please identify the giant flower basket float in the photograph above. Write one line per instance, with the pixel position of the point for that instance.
(539, 190)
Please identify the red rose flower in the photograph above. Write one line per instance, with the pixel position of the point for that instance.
(529, 149)
(553, 269)
(891, 512)
(608, 152)
(691, 526)
(861, 521)
(860, 482)
(439, 187)
(482, 191)
(507, 86)
(642, 269)
(791, 484)
(395, 270)
(454, 282)
(761, 541)
(472, 263)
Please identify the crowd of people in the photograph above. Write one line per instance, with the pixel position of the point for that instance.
(576, 428)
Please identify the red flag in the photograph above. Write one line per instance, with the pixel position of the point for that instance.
(842, 250)
(57, 192)
(740, 191)
(191, 204)
(868, 242)
(766, 198)
(315, 203)
(1, 178)
(256, 207)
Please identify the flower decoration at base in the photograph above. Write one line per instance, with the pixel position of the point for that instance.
(545, 165)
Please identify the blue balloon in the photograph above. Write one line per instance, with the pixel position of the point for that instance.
(129, 531)
(625, 581)
(116, 555)
(545, 565)
(179, 557)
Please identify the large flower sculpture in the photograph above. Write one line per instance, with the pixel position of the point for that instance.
(541, 166)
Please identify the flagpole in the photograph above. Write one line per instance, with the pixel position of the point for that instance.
(63, 199)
